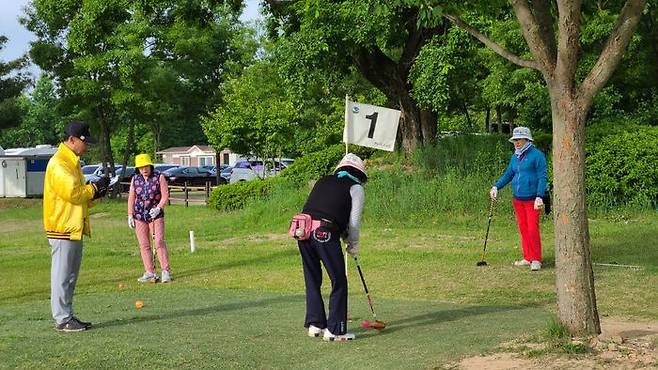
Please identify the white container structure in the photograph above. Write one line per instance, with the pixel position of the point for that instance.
(22, 171)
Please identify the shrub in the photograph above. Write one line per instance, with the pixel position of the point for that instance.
(312, 166)
(315, 165)
(235, 196)
(621, 169)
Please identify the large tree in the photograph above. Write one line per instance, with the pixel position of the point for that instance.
(381, 43)
(552, 31)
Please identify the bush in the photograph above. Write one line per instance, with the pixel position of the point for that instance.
(621, 169)
(310, 167)
(314, 165)
(235, 196)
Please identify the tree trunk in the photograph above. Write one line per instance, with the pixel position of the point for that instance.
(574, 278)
(126, 156)
(487, 121)
(499, 118)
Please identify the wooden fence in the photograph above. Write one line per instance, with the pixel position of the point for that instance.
(186, 194)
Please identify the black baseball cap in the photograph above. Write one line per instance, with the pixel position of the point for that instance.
(80, 130)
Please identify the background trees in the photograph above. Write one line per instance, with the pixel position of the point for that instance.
(12, 84)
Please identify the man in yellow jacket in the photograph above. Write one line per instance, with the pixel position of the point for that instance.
(66, 203)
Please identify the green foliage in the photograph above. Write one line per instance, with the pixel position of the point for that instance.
(314, 165)
(237, 195)
(41, 122)
(465, 154)
(255, 117)
(621, 169)
(12, 83)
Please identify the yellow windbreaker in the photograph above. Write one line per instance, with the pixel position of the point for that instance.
(66, 198)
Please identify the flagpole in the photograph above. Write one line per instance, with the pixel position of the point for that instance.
(347, 104)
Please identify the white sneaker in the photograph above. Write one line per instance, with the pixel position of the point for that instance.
(314, 331)
(165, 277)
(535, 266)
(522, 263)
(148, 277)
(337, 338)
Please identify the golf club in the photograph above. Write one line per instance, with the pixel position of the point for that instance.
(375, 324)
(482, 262)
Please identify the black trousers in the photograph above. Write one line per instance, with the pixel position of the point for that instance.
(324, 246)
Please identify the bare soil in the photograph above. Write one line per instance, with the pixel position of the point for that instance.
(623, 344)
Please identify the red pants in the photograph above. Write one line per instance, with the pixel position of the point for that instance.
(527, 217)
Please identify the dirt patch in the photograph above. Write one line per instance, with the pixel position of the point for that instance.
(623, 344)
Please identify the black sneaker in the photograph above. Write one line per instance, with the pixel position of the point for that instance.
(88, 325)
(72, 325)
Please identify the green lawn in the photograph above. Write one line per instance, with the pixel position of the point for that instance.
(237, 302)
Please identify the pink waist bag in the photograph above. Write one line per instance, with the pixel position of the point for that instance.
(301, 226)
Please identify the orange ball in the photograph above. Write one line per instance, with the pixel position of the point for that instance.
(139, 304)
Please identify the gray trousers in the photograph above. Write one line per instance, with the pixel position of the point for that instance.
(66, 256)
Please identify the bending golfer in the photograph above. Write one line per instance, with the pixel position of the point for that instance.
(146, 200)
(527, 172)
(66, 203)
(335, 204)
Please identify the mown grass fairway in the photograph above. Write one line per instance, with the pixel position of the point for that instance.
(238, 301)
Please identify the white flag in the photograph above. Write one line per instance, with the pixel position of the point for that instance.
(370, 125)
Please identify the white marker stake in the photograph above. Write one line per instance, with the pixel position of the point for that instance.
(192, 248)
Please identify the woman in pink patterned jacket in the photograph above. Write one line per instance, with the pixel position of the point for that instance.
(146, 200)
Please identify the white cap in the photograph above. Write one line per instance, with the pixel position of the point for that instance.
(521, 133)
(352, 160)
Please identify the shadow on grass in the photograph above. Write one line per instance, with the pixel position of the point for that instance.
(203, 311)
(437, 317)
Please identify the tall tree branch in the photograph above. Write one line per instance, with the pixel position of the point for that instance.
(568, 42)
(612, 51)
(545, 21)
(499, 49)
(534, 39)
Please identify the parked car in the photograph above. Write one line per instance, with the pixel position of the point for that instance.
(225, 173)
(251, 170)
(126, 178)
(222, 180)
(93, 177)
(89, 170)
(191, 175)
(161, 167)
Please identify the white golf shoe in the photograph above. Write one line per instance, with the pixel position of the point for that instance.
(523, 262)
(165, 277)
(535, 266)
(148, 277)
(314, 331)
(337, 338)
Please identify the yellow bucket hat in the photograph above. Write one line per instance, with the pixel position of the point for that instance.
(143, 160)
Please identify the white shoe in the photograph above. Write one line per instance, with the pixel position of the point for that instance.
(535, 266)
(314, 331)
(522, 263)
(165, 277)
(337, 338)
(148, 277)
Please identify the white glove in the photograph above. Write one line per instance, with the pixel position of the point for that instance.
(539, 203)
(352, 249)
(131, 222)
(493, 193)
(154, 212)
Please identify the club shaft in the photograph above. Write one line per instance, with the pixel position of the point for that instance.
(365, 287)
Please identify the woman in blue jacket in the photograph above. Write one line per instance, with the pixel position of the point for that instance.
(527, 173)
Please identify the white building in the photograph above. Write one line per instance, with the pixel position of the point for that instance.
(22, 170)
